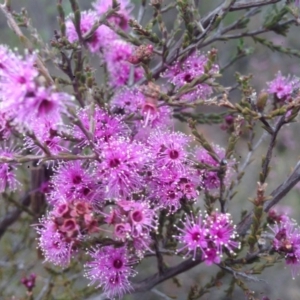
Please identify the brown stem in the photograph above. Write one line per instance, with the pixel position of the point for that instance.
(13, 216)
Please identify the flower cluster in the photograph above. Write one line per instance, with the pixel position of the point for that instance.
(117, 175)
(207, 237)
(133, 222)
(61, 231)
(283, 87)
(287, 242)
(189, 71)
(25, 99)
(114, 52)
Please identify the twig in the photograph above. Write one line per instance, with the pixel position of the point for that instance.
(43, 158)
(240, 5)
(44, 289)
(267, 160)
(241, 274)
(155, 279)
(14, 26)
(277, 195)
(248, 4)
(141, 11)
(164, 296)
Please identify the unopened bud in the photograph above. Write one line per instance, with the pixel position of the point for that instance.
(262, 101)
(142, 54)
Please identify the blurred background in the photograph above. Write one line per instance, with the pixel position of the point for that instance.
(18, 256)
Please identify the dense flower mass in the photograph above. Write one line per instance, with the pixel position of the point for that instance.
(141, 166)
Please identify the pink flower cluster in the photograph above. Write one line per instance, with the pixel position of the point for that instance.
(133, 221)
(287, 242)
(63, 229)
(207, 237)
(194, 67)
(283, 87)
(25, 99)
(133, 164)
(113, 51)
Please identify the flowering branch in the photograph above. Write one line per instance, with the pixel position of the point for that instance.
(112, 180)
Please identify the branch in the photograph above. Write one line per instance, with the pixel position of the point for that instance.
(237, 6)
(162, 295)
(242, 228)
(12, 217)
(248, 4)
(241, 274)
(267, 160)
(277, 195)
(43, 158)
(155, 279)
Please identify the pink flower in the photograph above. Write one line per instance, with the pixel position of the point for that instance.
(38, 105)
(287, 242)
(127, 101)
(194, 236)
(208, 235)
(169, 188)
(149, 115)
(105, 126)
(46, 134)
(141, 217)
(110, 268)
(192, 68)
(222, 232)
(73, 181)
(121, 20)
(122, 163)
(116, 56)
(101, 37)
(283, 87)
(169, 149)
(53, 244)
(17, 77)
